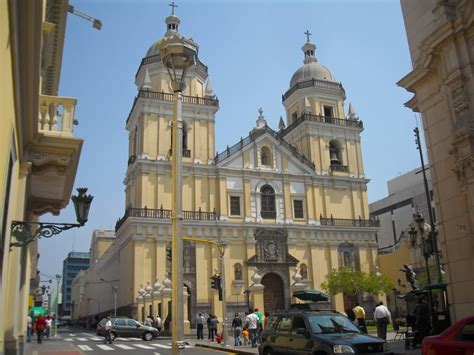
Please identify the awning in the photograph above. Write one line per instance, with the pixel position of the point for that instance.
(311, 295)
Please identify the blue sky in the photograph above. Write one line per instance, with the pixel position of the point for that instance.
(252, 49)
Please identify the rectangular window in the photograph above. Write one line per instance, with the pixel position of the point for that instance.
(298, 209)
(235, 205)
(328, 111)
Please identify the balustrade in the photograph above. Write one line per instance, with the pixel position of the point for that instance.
(56, 114)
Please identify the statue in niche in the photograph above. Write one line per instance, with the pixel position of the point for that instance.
(238, 272)
(271, 251)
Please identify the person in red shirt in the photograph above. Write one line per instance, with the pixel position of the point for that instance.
(40, 326)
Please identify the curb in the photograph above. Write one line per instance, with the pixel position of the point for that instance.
(223, 348)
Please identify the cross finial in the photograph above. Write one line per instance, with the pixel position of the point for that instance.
(307, 33)
(173, 5)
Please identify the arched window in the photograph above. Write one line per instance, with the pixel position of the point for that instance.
(237, 272)
(268, 202)
(266, 156)
(304, 272)
(335, 153)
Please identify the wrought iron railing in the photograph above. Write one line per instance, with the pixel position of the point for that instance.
(164, 96)
(339, 168)
(313, 83)
(162, 213)
(341, 222)
(253, 135)
(321, 119)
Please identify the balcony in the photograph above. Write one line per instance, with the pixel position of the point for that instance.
(314, 83)
(162, 213)
(340, 222)
(321, 119)
(339, 168)
(54, 154)
(164, 96)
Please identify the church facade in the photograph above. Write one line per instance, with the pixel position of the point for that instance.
(290, 204)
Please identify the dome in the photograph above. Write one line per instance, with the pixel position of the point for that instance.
(311, 70)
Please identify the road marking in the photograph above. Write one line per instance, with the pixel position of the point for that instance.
(105, 347)
(156, 354)
(87, 334)
(69, 339)
(135, 339)
(123, 346)
(143, 346)
(161, 346)
(96, 339)
(71, 335)
(81, 339)
(85, 347)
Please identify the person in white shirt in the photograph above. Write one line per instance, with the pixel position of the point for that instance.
(382, 317)
(108, 331)
(251, 321)
(157, 323)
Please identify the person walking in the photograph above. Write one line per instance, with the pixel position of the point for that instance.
(49, 322)
(251, 322)
(260, 320)
(29, 328)
(148, 321)
(352, 317)
(200, 320)
(108, 331)
(382, 317)
(208, 322)
(40, 326)
(213, 328)
(360, 316)
(157, 323)
(237, 326)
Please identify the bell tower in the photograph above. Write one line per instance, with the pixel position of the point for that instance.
(149, 125)
(316, 122)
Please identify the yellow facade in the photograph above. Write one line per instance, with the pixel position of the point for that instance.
(38, 152)
(285, 202)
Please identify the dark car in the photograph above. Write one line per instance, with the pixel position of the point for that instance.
(457, 339)
(316, 332)
(126, 327)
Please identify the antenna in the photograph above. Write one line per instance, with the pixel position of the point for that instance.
(96, 23)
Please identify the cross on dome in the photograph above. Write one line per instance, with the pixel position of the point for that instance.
(173, 5)
(309, 49)
(307, 33)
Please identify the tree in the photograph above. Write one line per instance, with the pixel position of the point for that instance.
(352, 282)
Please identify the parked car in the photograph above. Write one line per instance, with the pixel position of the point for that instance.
(316, 332)
(126, 327)
(457, 339)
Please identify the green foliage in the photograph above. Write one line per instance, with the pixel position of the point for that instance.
(353, 282)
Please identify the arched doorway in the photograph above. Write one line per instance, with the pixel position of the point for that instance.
(273, 293)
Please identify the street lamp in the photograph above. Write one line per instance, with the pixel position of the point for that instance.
(247, 297)
(114, 291)
(23, 235)
(177, 55)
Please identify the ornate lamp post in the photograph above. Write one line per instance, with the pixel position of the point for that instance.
(177, 54)
(23, 235)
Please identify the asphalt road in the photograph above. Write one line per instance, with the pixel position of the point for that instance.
(77, 342)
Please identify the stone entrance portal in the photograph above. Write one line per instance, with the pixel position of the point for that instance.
(273, 293)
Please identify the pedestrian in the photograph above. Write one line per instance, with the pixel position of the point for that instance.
(251, 322)
(49, 322)
(108, 331)
(29, 328)
(148, 321)
(382, 318)
(214, 322)
(360, 316)
(208, 322)
(422, 321)
(200, 320)
(260, 320)
(237, 326)
(158, 323)
(40, 326)
(352, 317)
(246, 336)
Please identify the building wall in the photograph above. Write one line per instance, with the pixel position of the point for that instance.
(440, 38)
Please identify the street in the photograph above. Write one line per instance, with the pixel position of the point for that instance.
(79, 341)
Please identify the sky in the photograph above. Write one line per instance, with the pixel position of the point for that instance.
(252, 48)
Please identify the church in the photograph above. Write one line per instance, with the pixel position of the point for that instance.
(290, 204)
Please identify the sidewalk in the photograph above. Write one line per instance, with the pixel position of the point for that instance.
(396, 346)
(52, 346)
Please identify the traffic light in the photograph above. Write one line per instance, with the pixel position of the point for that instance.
(216, 282)
(168, 253)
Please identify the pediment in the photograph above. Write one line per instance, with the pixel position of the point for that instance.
(280, 150)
